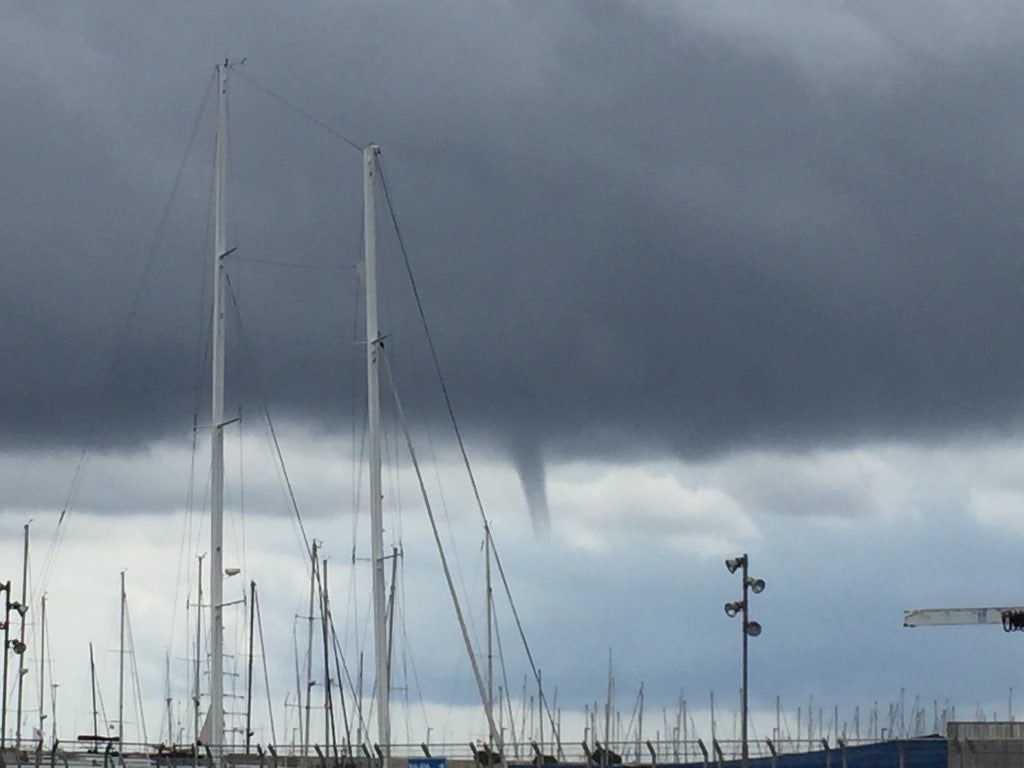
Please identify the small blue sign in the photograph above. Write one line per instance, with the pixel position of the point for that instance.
(428, 762)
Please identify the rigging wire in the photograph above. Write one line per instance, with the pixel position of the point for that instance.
(266, 672)
(359, 460)
(186, 535)
(408, 656)
(495, 736)
(297, 109)
(49, 561)
(135, 675)
(504, 677)
(458, 436)
(291, 264)
(353, 688)
(290, 490)
(357, 456)
(203, 334)
(453, 549)
(241, 486)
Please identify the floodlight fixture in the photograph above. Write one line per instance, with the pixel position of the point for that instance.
(731, 609)
(21, 609)
(735, 563)
(752, 628)
(756, 585)
(18, 647)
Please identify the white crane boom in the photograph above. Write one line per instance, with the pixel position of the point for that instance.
(1011, 617)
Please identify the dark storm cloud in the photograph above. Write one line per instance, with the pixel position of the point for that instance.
(632, 232)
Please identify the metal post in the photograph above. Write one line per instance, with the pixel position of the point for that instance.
(747, 628)
(6, 589)
(21, 640)
(248, 694)
(743, 691)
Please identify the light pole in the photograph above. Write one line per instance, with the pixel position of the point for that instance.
(15, 645)
(749, 629)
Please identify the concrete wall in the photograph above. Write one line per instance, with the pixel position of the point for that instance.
(985, 745)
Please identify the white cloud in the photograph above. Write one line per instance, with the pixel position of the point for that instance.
(864, 482)
(838, 43)
(900, 507)
(829, 41)
(596, 507)
(1000, 509)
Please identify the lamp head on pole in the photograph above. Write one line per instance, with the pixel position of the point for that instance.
(756, 585)
(735, 563)
(731, 609)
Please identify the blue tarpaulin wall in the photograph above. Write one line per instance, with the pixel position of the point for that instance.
(927, 752)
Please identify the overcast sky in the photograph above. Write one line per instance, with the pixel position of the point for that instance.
(703, 278)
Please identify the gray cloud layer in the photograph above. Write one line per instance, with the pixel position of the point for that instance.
(635, 229)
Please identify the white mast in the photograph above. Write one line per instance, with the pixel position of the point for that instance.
(95, 711)
(120, 673)
(196, 698)
(216, 713)
(168, 699)
(370, 153)
(42, 665)
(309, 655)
(489, 704)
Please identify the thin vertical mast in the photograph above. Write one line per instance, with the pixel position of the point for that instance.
(21, 638)
(42, 665)
(608, 705)
(120, 672)
(248, 693)
(640, 723)
(329, 731)
(216, 713)
(168, 699)
(5, 590)
(370, 153)
(196, 697)
(92, 678)
(490, 626)
(309, 654)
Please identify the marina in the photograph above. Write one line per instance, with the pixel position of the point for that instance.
(449, 387)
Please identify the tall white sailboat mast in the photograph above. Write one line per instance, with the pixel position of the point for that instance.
(373, 347)
(220, 251)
